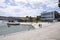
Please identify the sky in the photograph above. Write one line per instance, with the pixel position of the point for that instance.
(22, 8)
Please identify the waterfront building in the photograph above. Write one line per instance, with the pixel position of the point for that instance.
(50, 16)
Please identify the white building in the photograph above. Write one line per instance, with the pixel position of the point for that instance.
(49, 16)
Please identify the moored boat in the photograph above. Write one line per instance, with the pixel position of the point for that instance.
(13, 23)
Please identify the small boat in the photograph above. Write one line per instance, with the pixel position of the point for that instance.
(13, 23)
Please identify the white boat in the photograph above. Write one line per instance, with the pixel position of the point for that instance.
(13, 23)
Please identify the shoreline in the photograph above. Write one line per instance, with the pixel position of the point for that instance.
(34, 24)
(49, 33)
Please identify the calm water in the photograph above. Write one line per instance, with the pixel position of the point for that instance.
(4, 29)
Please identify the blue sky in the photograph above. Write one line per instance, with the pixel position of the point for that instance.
(22, 8)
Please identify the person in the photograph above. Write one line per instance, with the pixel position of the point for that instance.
(40, 25)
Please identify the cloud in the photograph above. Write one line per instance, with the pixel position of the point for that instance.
(10, 2)
(53, 4)
(26, 7)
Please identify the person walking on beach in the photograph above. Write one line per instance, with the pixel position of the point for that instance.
(40, 25)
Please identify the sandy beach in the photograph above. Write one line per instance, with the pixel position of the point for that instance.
(47, 32)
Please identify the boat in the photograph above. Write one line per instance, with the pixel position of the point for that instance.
(13, 23)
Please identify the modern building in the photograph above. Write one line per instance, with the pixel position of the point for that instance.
(50, 16)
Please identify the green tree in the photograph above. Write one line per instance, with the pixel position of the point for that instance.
(59, 3)
(30, 18)
(37, 18)
(27, 16)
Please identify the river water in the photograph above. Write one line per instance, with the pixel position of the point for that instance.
(4, 29)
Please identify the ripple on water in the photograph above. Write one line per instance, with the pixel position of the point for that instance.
(4, 29)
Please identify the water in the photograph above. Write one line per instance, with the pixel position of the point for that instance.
(4, 29)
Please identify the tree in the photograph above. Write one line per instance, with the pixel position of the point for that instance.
(27, 16)
(30, 19)
(37, 18)
(59, 3)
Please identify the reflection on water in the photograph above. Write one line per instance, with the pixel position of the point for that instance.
(4, 29)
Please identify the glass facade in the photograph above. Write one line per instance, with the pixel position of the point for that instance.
(47, 16)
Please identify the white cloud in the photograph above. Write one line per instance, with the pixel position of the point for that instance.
(54, 5)
(2, 3)
(27, 7)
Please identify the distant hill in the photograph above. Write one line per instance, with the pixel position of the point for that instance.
(20, 19)
(9, 18)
